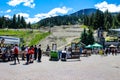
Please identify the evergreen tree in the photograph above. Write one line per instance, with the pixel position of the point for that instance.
(84, 37)
(18, 22)
(23, 23)
(3, 22)
(86, 20)
(98, 19)
(8, 23)
(29, 25)
(91, 20)
(0, 22)
(118, 18)
(107, 25)
(107, 20)
(90, 38)
(115, 23)
(14, 23)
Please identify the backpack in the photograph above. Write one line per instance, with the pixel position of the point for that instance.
(16, 50)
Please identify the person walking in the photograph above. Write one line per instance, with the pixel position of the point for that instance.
(39, 53)
(15, 53)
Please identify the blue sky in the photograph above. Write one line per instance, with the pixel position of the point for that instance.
(35, 10)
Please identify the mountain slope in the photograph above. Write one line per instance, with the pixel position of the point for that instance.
(66, 19)
(87, 11)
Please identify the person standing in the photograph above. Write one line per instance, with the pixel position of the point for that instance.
(27, 55)
(35, 52)
(23, 52)
(106, 51)
(15, 53)
(31, 52)
(39, 53)
(64, 54)
(48, 48)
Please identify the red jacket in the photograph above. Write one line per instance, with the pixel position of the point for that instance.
(31, 51)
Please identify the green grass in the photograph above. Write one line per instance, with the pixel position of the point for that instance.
(15, 33)
(84, 26)
(28, 37)
(38, 37)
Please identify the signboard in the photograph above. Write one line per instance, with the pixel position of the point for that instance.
(9, 40)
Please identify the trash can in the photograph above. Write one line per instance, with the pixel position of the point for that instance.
(54, 56)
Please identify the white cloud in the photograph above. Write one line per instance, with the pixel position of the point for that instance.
(54, 12)
(32, 20)
(8, 16)
(29, 3)
(62, 10)
(8, 11)
(38, 17)
(25, 15)
(103, 6)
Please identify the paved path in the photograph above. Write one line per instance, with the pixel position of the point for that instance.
(95, 67)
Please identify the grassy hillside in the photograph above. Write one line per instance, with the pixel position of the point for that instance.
(28, 37)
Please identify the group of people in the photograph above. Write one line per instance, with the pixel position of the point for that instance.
(31, 53)
(6, 52)
(28, 53)
(106, 51)
(113, 51)
(9, 53)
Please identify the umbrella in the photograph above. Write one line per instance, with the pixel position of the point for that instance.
(88, 46)
(97, 45)
(112, 46)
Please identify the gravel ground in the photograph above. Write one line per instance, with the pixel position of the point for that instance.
(95, 67)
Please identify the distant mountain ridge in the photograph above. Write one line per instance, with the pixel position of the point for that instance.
(67, 19)
(87, 11)
(72, 19)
